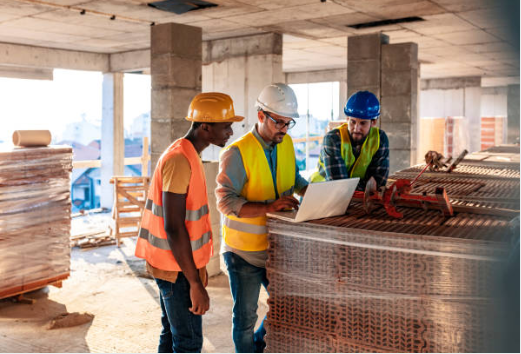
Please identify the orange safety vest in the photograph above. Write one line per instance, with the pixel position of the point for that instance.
(152, 243)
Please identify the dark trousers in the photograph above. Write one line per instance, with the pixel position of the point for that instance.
(182, 330)
(245, 284)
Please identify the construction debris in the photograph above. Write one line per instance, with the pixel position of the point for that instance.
(92, 230)
(90, 240)
(66, 320)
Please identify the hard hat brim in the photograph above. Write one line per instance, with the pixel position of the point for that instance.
(212, 120)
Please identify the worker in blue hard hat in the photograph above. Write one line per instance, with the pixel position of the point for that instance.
(357, 148)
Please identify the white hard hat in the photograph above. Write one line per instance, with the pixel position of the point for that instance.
(279, 99)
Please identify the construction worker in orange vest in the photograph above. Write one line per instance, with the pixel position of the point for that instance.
(175, 236)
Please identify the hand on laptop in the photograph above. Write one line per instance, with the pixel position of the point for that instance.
(288, 202)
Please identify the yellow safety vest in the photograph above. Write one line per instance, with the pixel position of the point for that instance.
(369, 149)
(250, 234)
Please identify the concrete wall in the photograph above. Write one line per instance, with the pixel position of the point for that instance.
(241, 67)
(494, 101)
(210, 170)
(513, 114)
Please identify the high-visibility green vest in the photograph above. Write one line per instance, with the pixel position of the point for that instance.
(250, 234)
(369, 149)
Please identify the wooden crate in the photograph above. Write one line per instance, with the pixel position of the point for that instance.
(130, 194)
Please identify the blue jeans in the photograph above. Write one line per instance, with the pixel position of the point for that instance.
(182, 330)
(245, 284)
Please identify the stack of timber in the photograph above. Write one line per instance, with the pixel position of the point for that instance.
(35, 218)
(373, 283)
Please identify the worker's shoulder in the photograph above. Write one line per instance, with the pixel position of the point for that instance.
(230, 152)
(384, 140)
(176, 159)
(333, 134)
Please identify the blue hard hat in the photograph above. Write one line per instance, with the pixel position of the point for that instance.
(363, 105)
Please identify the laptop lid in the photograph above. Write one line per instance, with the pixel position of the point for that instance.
(323, 199)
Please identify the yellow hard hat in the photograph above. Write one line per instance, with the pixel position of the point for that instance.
(212, 107)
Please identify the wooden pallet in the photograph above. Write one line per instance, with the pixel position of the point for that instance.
(130, 194)
(25, 288)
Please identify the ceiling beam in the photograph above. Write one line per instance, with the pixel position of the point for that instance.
(49, 58)
(23, 72)
(138, 60)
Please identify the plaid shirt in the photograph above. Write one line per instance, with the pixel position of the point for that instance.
(335, 167)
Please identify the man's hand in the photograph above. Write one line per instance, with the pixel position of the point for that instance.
(287, 202)
(200, 299)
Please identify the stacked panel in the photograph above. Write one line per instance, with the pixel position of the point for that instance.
(373, 283)
(35, 217)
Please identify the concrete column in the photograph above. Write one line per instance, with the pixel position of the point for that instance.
(175, 65)
(211, 168)
(399, 100)
(363, 63)
(391, 72)
(513, 114)
(112, 135)
(241, 67)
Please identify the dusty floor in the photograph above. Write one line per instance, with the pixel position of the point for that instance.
(105, 283)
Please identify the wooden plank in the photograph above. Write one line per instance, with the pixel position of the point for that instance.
(25, 288)
(86, 164)
(131, 198)
(131, 188)
(133, 221)
(129, 179)
(128, 234)
(129, 210)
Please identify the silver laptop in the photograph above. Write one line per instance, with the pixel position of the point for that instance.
(322, 199)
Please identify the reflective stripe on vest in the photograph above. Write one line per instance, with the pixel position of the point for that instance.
(191, 215)
(355, 167)
(244, 227)
(152, 243)
(163, 243)
(250, 234)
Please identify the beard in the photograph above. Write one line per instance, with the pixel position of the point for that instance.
(277, 138)
(357, 138)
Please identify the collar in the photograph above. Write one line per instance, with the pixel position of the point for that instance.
(256, 134)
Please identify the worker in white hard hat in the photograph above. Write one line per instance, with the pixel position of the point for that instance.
(257, 174)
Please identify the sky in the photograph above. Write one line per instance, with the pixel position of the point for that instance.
(70, 97)
(76, 95)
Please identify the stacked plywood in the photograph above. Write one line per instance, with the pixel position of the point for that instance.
(35, 219)
(373, 283)
(492, 131)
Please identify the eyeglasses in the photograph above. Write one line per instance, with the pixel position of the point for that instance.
(280, 124)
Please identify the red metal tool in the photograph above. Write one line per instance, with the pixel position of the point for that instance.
(398, 194)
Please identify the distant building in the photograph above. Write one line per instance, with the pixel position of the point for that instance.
(140, 126)
(86, 182)
(82, 132)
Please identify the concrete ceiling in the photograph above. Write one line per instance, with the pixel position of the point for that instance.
(456, 38)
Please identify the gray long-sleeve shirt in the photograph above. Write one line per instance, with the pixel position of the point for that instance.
(230, 182)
